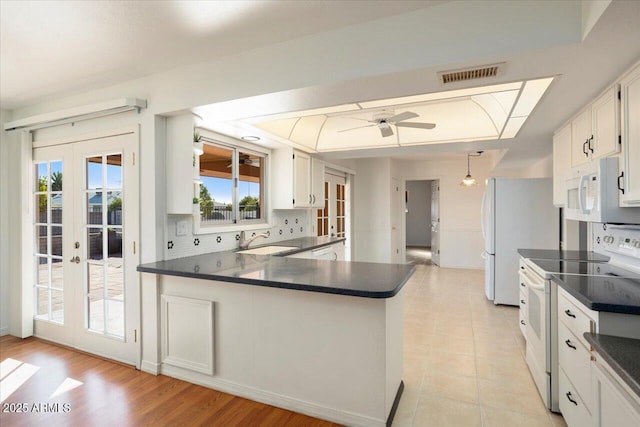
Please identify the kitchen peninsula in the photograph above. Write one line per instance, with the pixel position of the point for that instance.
(315, 336)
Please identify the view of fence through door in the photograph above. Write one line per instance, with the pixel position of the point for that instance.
(86, 227)
(331, 220)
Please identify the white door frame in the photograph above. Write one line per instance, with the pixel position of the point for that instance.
(403, 221)
(26, 295)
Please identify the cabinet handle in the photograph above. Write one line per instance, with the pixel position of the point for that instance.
(620, 187)
(522, 323)
(521, 268)
(590, 140)
(568, 343)
(570, 399)
(584, 149)
(314, 199)
(522, 284)
(522, 302)
(569, 313)
(309, 198)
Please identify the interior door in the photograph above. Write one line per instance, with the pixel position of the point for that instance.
(86, 225)
(435, 222)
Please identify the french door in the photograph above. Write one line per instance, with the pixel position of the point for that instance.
(86, 226)
(331, 220)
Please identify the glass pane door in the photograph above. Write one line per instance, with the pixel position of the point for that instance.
(104, 275)
(48, 261)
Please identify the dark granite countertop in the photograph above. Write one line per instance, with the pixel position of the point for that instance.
(603, 293)
(359, 279)
(622, 354)
(550, 254)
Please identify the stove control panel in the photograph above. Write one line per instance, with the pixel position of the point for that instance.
(615, 240)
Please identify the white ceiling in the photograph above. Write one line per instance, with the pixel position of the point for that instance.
(60, 48)
(50, 48)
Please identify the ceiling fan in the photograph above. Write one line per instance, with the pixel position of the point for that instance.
(384, 122)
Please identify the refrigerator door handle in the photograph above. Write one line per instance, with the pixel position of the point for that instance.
(482, 218)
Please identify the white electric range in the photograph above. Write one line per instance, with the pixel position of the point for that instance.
(615, 260)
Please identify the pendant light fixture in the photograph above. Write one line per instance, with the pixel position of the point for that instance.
(468, 180)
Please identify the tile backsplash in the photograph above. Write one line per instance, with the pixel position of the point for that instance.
(287, 224)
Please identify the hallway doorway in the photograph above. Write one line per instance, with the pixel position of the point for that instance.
(422, 222)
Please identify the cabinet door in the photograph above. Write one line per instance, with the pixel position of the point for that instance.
(317, 183)
(605, 120)
(613, 406)
(580, 133)
(301, 180)
(561, 163)
(630, 114)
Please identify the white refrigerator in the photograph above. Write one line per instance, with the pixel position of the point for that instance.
(516, 213)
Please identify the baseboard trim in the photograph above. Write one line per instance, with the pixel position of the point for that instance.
(150, 367)
(281, 401)
(396, 403)
(4, 331)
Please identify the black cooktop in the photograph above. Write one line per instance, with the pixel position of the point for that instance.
(583, 268)
(603, 293)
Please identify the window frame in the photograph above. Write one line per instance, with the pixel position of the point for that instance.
(236, 224)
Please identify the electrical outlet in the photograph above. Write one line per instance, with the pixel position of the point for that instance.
(181, 228)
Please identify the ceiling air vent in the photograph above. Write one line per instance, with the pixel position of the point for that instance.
(453, 76)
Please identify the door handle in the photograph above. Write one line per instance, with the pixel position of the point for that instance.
(75, 259)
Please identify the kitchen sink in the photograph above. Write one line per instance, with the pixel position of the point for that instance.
(267, 250)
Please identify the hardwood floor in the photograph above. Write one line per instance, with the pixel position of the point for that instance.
(111, 394)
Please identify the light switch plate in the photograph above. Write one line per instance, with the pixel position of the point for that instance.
(181, 228)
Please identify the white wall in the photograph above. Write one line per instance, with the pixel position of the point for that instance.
(372, 210)
(4, 226)
(461, 241)
(418, 216)
(540, 169)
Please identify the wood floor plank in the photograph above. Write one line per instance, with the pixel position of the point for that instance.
(115, 394)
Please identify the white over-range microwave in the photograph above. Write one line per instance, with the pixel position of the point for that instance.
(591, 194)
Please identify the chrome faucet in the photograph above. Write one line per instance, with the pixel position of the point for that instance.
(244, 243)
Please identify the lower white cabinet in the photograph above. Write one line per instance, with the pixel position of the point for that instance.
(614, 405)
(573, 409)
(333, 252)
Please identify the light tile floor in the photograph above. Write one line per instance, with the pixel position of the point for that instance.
(464, 357)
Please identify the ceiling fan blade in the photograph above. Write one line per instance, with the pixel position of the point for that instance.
(359, 127)
(416, 125)
(403, 116)
(386, 131)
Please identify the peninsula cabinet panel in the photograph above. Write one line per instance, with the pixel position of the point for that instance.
(630, 159)
(187, 333)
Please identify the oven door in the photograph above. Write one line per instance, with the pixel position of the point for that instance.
(537, 332)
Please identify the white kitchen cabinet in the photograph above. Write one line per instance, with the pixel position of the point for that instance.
(298, 180)
(595, 131)
(181, 165)
(561, 163)
(614, 404)
(333, 252)
(580, 134)
(574, 319)
(630, 159)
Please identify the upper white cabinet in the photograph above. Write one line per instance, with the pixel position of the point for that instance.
(629, 180)
(181, 164)
(561, 163)
(298, 180)
(580, 134)
(595, 131)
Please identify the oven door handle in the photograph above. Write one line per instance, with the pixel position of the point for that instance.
(532, 283)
